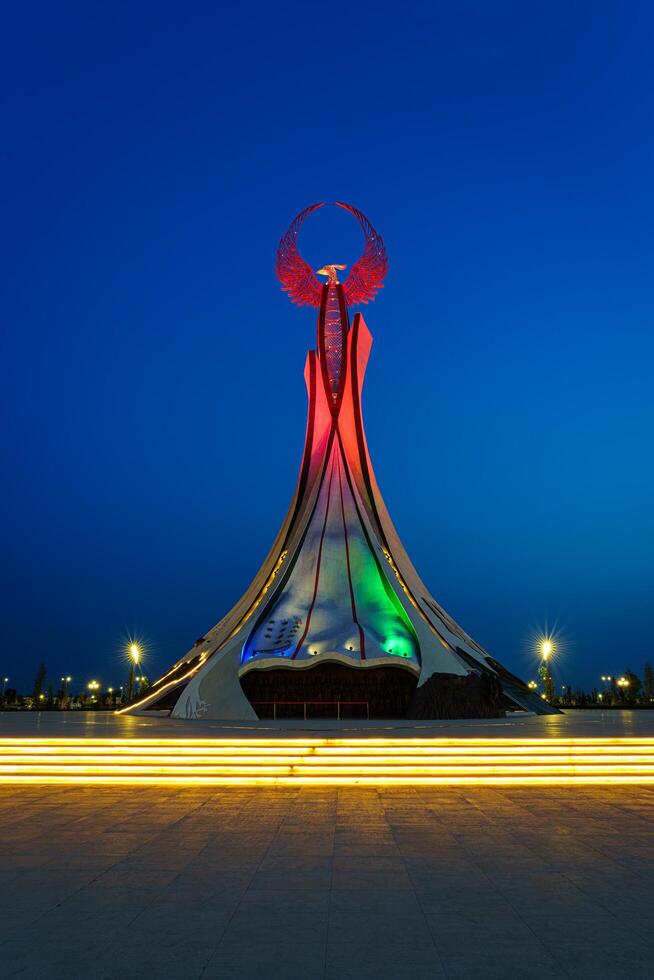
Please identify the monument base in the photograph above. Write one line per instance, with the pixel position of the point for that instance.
(80, 748)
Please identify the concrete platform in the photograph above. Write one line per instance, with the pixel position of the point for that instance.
(105, 724)
(588, 748)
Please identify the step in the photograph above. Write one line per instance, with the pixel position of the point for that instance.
(327, 761)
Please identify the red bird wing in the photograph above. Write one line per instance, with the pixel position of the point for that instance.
(296, 275)
(367, 275)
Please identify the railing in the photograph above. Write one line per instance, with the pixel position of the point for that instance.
(321, 703)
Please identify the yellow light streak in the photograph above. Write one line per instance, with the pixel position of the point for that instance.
(78, 765)
(556, 780)
(257, 762)
(362, 743)
(320, 757)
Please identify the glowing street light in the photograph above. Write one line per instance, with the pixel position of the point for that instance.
(622, 683)
(546, 647)
(134, 652)
(5, 681)
(93, 686)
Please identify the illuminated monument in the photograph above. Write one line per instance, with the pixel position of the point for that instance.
(337, 621)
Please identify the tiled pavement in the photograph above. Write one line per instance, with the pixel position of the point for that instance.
(268, 883)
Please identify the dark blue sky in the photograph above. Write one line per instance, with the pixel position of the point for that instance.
(152, 156)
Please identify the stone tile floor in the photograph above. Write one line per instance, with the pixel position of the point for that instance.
(269, 883)
(106, 724)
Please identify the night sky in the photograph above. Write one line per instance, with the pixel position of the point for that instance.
(152, 156)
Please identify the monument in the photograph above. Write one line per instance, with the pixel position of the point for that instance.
(337, 621)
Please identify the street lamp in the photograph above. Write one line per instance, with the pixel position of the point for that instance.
(65, 681)
(544, 672)
(134, 652)
(622, 683)
(5, 681)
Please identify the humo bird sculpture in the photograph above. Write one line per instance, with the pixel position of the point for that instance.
(365, 279)
(333, 298)
(337, 615)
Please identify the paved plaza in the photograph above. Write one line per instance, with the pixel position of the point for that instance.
(123, 882)
(517, 725)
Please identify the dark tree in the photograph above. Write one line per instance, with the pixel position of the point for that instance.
(144, 684)
(39, 681)
(635, 685)
(648, 681)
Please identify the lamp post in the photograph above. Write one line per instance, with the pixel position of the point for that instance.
(623, 684)
(65, 681)
(143, 684)
(5, 681)
(608, 695)
(134, 655)
(544, 672)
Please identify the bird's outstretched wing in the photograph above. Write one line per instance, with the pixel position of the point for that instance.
(296, 276)
(367, 275)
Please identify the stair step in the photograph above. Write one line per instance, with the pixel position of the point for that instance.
(328, 761)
